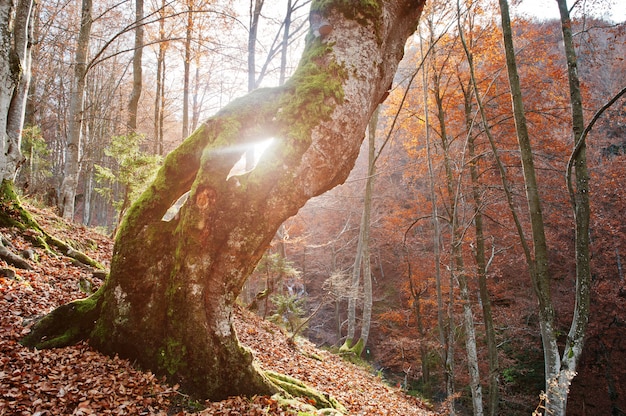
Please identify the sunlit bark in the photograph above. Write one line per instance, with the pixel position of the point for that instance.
(15, 62)
(75, 129)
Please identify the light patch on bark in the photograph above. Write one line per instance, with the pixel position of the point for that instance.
(123, 306)
(196, 289)
(223, 313)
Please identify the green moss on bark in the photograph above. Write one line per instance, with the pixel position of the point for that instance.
(313, 92)
(297, 388)
(172, 356)
(360, 10)
(363, 12)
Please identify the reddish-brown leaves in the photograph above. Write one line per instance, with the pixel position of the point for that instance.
(80, 381)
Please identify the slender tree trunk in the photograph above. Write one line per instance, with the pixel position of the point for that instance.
(558, 392)
(159, 96)
(133, 104)
(442, 322)
(168, 301)
(195, 101)
(541, 276)
(479, 254)
(187, 67)
(353, 295)
(457, 267)
(74, 139)
(481, 270)
(255, 14)
(285, 43)
(365, 227)
(87, 192)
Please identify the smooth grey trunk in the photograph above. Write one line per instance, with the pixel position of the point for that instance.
(71, 167)
(135, 95)
(159, 97)
(557, 392)
(557, 378)
(457, 267)
(284, 46)
(481, 271)
(186, 67)
(88, 190)
(354, 293)
(441, 318)
(365, 232)
(462, 278)
(16, 19)
(479, 256)
(255, 13)
(195, 102)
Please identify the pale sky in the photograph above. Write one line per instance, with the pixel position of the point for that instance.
(616, 9)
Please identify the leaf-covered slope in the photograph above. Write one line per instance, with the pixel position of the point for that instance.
(80, 381)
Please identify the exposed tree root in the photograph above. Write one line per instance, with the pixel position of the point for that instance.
(11, 258)
(347, 349)
(296, 388)
(66, 325)
(13, 214)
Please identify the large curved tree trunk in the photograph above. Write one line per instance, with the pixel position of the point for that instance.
(168, 301)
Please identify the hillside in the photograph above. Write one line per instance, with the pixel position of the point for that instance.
(80, 381)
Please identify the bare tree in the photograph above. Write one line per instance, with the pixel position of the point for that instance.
(133, 103)
(74, 138)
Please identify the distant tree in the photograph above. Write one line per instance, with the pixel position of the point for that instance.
(73, 148)
(362, 261)
(133, 103)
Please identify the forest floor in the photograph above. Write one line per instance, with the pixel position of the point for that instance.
(78, 380)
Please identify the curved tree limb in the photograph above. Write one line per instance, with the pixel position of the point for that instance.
(582, 140)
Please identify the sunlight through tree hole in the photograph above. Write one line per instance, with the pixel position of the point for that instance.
(240, 168)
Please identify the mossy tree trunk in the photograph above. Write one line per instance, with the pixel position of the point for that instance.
(167, 304)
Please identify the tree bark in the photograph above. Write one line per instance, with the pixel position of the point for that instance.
(74, 140)
(159, 96)
(442, 322)
(15, 60)
(365, 227)
(187, 66)
(481, 271)
(133, 103)
(557, 392)
(168, 301)
(362, 257)
(539, 268)
(255, 13)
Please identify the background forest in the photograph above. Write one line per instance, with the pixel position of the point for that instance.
(421, 232)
